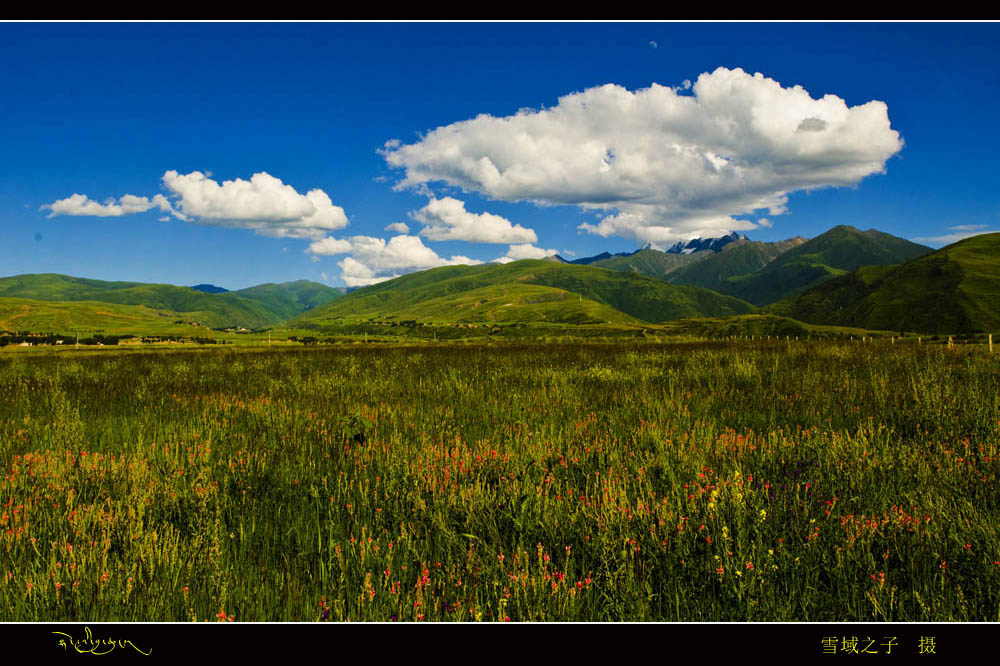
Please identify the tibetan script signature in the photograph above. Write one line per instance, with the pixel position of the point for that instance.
(95, 646)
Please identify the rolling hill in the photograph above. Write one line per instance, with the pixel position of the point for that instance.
(259, 307)
(288, 299)
(953, 290)
(535, 289)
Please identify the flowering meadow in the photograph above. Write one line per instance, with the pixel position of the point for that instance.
(626, 481)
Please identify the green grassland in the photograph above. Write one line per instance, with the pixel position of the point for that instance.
(19, 314)
(752, 481)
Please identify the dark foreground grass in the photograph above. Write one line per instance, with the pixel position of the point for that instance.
(773, 481)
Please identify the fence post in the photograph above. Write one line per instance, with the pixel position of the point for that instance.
(991, 343)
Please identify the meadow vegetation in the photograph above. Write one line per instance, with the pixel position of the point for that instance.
(773, 480)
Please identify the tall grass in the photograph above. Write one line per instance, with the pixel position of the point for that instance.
(777, 481)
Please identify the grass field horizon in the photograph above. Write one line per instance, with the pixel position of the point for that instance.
(631, 480)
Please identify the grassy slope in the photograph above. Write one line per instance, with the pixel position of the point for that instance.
(436, 293)
(19, 314)
(838, 251)
(953, 290)
(761, 325)
(210, 309)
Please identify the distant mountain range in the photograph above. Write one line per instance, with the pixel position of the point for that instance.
(843, 277)
(700, 244)
(759, 272)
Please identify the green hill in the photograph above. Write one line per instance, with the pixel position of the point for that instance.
(652, 262)
(953, 290)
(561, 293)
(223, 309)
(838, 251)
(743, 257)
(288, 299)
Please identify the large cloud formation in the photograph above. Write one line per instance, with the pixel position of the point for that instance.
(263, 203)
(660, 163)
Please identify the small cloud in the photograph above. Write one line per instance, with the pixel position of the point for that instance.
(398, 227)
(947, 239)
(81, 204)
(447, 219)
(968, 227)
(323, 275)
(654, 45)
(764, 222)
(330, 246)
(525, 251)
(372, 260)
(812, 125)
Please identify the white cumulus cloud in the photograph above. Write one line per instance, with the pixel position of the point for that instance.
(398, 227)
(263, 203)
(524, 251)
(128, 204)
(330, 246)
(372, 260)
(447, 219)
(661, 165)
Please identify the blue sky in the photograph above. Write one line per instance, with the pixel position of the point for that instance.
(159, 129)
